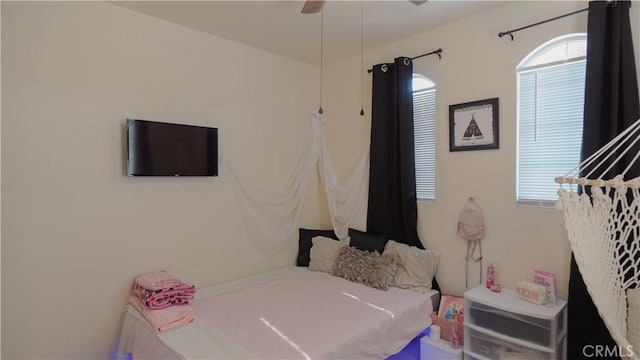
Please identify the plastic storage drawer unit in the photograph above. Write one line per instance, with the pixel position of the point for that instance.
(528, 328)
(503, 326)
(497, 347)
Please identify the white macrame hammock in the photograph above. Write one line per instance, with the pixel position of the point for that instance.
(604, 231)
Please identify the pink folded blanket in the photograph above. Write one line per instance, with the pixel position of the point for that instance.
(159, 290)
(160, 299)
(158, 280)
(165, 319)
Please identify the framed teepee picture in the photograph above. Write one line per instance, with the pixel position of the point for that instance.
(474, 125)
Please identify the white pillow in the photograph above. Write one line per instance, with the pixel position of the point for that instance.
(324, 253)
(633, 318)
(416, 267)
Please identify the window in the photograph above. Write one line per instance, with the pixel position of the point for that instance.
(424, 133)
(550, 111)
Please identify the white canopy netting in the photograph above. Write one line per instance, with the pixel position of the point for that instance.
(269, 218)
(602, 218)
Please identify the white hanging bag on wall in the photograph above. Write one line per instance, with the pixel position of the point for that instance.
(471, 228)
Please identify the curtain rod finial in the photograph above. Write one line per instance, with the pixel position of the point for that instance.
(506, 33)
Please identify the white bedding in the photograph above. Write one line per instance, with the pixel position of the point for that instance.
(292, 313)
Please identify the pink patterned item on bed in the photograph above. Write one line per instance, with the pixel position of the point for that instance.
(158, 280)
(165, 319)
(160, 299)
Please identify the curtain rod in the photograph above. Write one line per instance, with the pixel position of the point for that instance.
(510, 32)
(436, 52)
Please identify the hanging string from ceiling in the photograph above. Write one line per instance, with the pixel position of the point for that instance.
(510, 32)
(435, 52)
(361, 58)
(320, 110)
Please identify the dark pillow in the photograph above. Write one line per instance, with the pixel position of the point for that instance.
(367, 241)
(304, 243)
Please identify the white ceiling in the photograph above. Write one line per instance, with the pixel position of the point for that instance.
(280, 28)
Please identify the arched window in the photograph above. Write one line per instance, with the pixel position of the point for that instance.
(424, 125)
(550, 116)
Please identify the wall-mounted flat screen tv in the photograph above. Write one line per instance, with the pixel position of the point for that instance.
(164, 149)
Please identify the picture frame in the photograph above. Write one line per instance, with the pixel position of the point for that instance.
(474, 125)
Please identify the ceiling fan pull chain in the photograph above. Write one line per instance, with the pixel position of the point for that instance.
(361, 58)
(320, 110)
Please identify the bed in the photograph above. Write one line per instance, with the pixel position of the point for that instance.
(291, 313)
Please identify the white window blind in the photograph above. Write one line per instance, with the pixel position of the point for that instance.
(424, 120)
(550, 120)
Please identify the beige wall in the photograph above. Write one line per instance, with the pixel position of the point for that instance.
(0, 199)
(75, 228)
(476, 65)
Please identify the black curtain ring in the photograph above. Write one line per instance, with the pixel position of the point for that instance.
(384, 67)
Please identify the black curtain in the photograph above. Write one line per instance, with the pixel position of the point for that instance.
(611, 105)
(392, 208)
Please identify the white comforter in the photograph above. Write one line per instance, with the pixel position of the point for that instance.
(300, 314)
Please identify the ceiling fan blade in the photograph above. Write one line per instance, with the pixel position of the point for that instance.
(418, 2)
(312, 6)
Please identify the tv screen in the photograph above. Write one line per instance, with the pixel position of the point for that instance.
(163, 149)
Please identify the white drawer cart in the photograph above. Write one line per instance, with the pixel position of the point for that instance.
(503, 326)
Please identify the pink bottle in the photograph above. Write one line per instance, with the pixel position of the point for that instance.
(491, 276)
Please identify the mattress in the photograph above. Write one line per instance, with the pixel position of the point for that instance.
(291, 313)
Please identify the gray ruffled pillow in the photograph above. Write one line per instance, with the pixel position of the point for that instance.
(367, 268)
